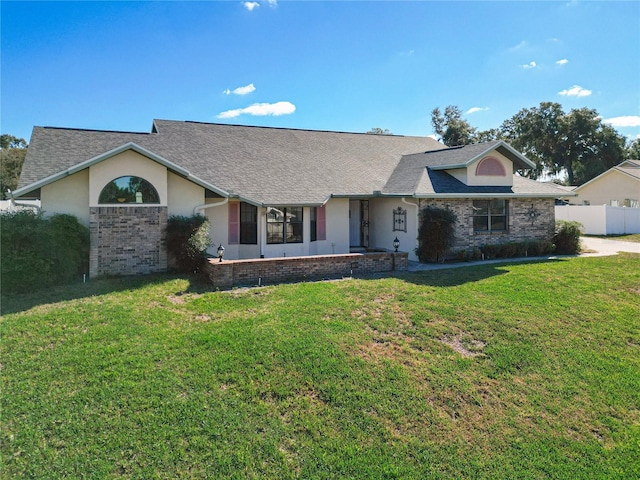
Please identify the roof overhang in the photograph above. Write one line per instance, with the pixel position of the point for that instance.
(111, 153)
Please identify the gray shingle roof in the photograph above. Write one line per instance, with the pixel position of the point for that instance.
(275, 166)
(266, 165)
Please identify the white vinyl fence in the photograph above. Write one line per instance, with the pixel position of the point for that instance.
(602, 219)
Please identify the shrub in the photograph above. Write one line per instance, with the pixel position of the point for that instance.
(38, 252)
(187, 239)
(436, 233)
(567, 237)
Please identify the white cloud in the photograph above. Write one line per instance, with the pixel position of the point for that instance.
(261, 109)
(250, 5)
(273, 3)
(624, 121)
(476, 109)
(530, 65)
(575, 91)
(564, 61)
(240, 90)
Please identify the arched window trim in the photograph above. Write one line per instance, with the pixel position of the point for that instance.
(121, 191)
(490, 167)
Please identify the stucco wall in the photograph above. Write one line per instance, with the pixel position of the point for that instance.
(183, 195)
(381, 225)
(123, 164)
(69, 195)
(612, 186)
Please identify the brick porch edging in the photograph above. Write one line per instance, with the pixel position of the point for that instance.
(261, 271)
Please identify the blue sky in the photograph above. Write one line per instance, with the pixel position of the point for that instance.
(345, 66)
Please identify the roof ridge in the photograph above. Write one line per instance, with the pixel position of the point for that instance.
(93, 130)
(286, 128)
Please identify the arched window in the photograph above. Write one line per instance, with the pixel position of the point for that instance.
(491, 167)
(129, 189)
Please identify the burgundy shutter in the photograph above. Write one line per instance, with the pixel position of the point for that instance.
(322, 223)
(234, 223)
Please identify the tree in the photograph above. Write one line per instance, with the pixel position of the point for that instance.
(633, 150)
(379, 131)
(577, 143)
(13, 151)
(452, 129)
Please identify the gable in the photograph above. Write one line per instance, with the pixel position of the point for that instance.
(127, 163)
(491, 169)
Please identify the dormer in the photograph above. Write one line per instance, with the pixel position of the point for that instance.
(491, 170)
(489, 164)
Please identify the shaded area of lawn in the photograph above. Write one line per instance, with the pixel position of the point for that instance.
(513, 370)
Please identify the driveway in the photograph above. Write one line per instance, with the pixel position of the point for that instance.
(606, 246)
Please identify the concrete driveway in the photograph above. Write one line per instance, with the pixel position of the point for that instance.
(606, 246)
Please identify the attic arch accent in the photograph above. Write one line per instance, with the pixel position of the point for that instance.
(490, 167)
(129, 189)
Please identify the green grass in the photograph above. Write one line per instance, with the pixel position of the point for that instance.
(628, 237)
(498, 371)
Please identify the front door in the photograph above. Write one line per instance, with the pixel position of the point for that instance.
(359, 223)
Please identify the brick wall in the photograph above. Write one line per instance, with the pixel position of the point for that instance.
(230, 273)
(522, 225)
(127, 240)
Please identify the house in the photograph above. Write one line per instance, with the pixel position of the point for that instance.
(274, 192)
(618, 187)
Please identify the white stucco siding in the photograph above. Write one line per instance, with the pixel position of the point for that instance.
(69, 195)
(381, 226)
(614, 186)
(337, 228)
(123, 164)
(182, 195)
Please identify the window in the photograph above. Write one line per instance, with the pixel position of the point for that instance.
(248, 224)
(490, 166)
(129, 190)
(284, 225)
(313, 234)
(490, 215)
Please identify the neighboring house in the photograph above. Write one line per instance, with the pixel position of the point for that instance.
(618, 187)
(273, 192)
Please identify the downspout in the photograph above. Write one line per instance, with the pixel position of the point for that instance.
(199, 208)
(404, 200)
(37, 208)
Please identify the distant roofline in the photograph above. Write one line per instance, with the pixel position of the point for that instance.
(288, 128)
(91, 130)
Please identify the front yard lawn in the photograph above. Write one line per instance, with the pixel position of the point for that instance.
(496, 371)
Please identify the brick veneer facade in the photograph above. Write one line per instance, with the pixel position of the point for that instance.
(230, 273)
(127, 240)
(528, 219)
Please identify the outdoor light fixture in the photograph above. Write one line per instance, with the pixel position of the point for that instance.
(220, 252)
(396, 243)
